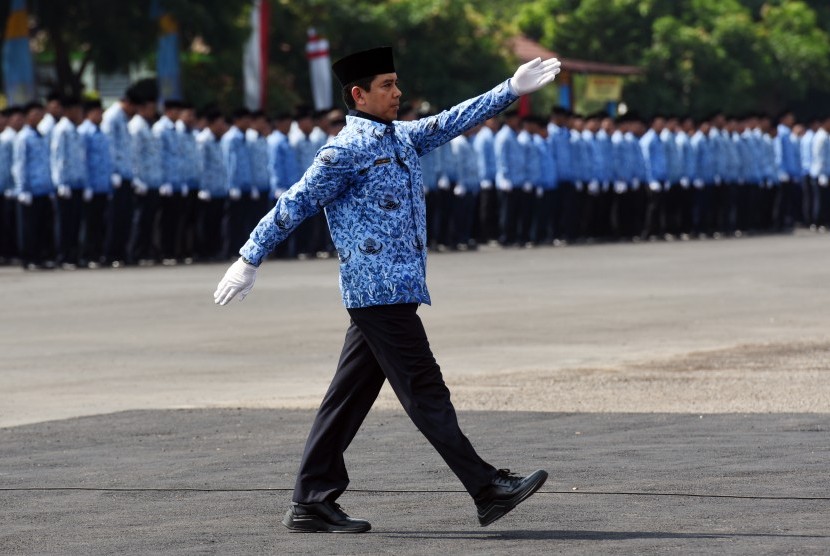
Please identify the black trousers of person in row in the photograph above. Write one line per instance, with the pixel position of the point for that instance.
(386, 342)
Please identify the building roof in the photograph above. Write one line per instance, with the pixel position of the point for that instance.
(526, 50)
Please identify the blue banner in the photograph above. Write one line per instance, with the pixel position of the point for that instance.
(168, 69)
(18, 68)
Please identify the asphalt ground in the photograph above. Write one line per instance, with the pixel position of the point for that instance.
(676, 392)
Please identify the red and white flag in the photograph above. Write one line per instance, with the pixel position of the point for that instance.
(319, 66)
(255, 58)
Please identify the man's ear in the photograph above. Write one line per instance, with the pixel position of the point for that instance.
(357, 95)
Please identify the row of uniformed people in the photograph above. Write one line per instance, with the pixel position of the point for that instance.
(569, 177)
(83, 186)
(187, 187)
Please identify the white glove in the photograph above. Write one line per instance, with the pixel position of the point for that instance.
(698, 183)
(783, 176)
(185, 190)
(64, 192)
(204, 195)
(88, 193)
(235, 194)
(255, 194)
(534, 75)
(635, 184)
(140, 187)
(443, 182)
(166, 190)
(8, 193)
(115, 180)
(505, 185)
(684, 183)
(540, 192)
(238, 280)
(579, 186)
(593, 187)
(459, 190)
(822, 180)
(654, 185)
(666, 185)
(620, 187)
(528, 187)
(486, 184)
(24, 198)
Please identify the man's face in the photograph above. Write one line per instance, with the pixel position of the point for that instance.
(188, 117)
(34, 116)
(382, 100)
(95, 116)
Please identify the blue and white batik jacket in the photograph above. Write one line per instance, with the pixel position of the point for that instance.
(114, 125)
(30, 163)
(67, 155)
(368, 180)
(98, 160)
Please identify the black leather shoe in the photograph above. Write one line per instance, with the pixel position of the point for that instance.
(505, 493)
(322, 517)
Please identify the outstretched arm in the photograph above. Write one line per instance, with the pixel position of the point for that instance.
(430, 133)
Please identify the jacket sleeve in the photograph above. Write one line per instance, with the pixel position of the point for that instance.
(430, 133)
(330, 173)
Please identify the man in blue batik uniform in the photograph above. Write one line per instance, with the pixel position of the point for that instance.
(68, 165)
(368, 180)
(98, 184)
(34, 192)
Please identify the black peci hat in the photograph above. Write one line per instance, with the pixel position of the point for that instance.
(366, 63)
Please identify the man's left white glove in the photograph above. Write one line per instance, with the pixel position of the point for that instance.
(238, 280)
(534, 75)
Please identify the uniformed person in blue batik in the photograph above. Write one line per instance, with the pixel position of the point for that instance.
(544, 203)
(789, 170)
(488, 211)
(69, 175)
(147, 179)
(704, 181)
(213, 188)
(820, 168)
(190, 172)
(282, 171)
(368, 181)
(170, 192)
(34, 192)
(654, 153)
(510, 177)
(257, 138)
(462, 166)
(238, 165)
(99, 171)
(114, 125)
(565, 218)
(14, 120)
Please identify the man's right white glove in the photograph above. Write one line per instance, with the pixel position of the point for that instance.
(238, 280)
(204, 195)
(534, 75)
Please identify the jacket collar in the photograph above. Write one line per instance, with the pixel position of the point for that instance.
(370, 117)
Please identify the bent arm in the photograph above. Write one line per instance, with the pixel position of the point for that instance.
(327, 177)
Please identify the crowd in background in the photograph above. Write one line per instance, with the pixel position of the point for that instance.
(84, 186)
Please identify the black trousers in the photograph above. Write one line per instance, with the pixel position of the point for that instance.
(8, 227)
(142, 240)
(119, 222)
(95, 221)
(36, 230)
(386, 342)
(68, 224)
(488, 215)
